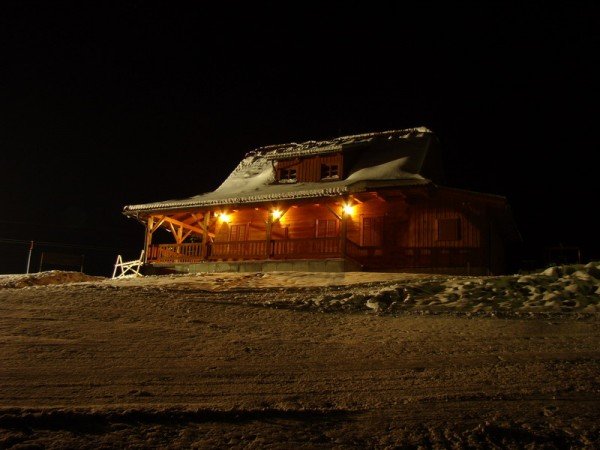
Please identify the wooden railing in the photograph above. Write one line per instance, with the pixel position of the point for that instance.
(190, 252)
(280, 249)
(306, 248)
(238, 250)
(370, 256)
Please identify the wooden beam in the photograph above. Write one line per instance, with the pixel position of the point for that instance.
(206, 237)
(355, 199)
(333, 212)
(180, 235)
(343, 233)
(193, 218)
(197, 219)
(179, 216)
(157, 225)
(186, 235)
(268, 239)
(173, 231)
(172, 221)
(205, 221)
(283, 213)
(148, 238)
(378, 196)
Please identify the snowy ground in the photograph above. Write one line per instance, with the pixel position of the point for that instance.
(285, 360)
(573, 289)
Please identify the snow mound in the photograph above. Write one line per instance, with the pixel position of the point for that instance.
(562, 290)
(44, 278)
(556, 290)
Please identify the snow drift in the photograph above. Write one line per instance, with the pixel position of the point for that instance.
(558, 290)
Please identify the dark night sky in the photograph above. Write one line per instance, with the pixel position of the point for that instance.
(114, 104)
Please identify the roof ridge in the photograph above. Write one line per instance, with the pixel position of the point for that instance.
(280, 148)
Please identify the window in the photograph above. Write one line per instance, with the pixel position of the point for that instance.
(287, 175)
(448, 229)
(238, 232)
(372, 231)
(329, 172)
(326, 228)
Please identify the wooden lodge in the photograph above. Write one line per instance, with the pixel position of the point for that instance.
(363, 202)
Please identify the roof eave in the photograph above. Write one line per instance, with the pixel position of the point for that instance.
(355, 187)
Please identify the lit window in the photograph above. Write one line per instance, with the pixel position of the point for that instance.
(287, 175)
(329, 172)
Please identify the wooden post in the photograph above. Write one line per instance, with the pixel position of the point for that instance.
(269, 227)
(29, 256)
(148, 240)
(343, 228)
(179, 237)
(205, 236)
(343, 233)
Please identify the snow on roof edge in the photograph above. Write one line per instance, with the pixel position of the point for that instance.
(196, 202)
(293, 149)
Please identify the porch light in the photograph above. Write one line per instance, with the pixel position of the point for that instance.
(224, 217)
(276, 213)
(348, 209)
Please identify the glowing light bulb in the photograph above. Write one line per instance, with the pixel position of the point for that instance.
(348, 209)
(276, 214)
(224, 217)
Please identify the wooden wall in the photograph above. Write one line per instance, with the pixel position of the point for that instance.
(301, 221)
(406, 222)
(395, 216)
(309, 169)
(423, 225)
(251, 218)
(297, 223)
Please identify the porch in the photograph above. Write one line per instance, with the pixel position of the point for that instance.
(245, 250)
(367, 257)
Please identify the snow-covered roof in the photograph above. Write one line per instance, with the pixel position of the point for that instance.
(310, 148)
(397, 159)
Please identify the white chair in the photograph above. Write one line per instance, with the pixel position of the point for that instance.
(128, 268)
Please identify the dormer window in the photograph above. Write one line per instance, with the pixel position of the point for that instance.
(330, 172)
(287, 175)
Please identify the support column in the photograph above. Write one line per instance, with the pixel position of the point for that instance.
(343, 233)
(205, 236)
(269, 228)
(342, 217)
(148, 239)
